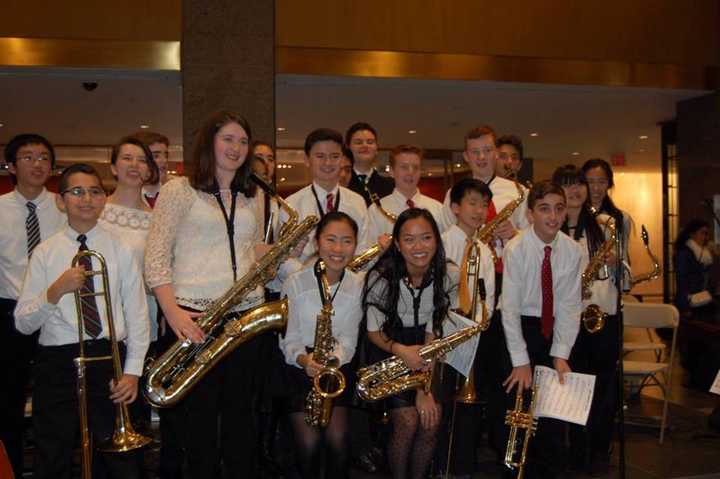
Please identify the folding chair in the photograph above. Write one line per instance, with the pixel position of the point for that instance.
(653, 373)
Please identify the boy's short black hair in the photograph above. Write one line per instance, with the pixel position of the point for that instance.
(322, 134)
(466, 185)
(513, 141)
(359, 126)
(541, 189)
(24, 139)
(77, 168)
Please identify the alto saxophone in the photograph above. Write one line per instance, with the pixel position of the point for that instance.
(359, 262)
(171, 377)
(593, 318)
(318, 404)
(520, 421)
(486, 232)
(392, 376)
(654, 273)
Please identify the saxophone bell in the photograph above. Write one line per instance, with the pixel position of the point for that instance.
(593, 319)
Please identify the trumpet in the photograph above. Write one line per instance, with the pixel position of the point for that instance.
(360, 261)
(520, 421)
(124, 437)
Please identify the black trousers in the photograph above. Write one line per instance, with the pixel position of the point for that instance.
(221, 418)
(171, 423)
(56, 419)
(547, 447)
(597, 354)
(16, 353)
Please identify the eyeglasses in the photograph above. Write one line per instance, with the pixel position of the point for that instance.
(29, 158)
(80, 192)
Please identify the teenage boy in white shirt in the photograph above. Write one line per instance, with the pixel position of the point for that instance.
(28, 215)
(323, 151)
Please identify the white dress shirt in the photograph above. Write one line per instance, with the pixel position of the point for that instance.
(304, 305)
(131, 226)
(395, 203)
(522, 291)
(455, 240)
(13, 235)
(376, 319)
(503, 191)
(58, 323)
(304, 202)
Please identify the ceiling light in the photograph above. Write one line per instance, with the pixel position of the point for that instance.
(429, 173)
(643, 137)
(533, 134)
(412, 132)
(280, 129)
(576, 153)
(2, 124)
(457, 165)
(282, 179)
(144, 127)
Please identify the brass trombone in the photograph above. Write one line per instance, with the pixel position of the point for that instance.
(124, 437)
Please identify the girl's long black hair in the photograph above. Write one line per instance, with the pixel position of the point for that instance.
(607, 206)
(382, 283)
(587, 224)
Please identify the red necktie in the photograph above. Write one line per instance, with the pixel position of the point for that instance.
(547, 295)
(329, 206)
(410, 203)
(88, 305)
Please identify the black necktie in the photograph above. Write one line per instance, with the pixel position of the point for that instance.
(32, 227)
(362, 179)
(88, 304)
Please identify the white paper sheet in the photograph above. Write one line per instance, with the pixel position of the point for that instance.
(715, 388)
(568, 402)
(461, 358)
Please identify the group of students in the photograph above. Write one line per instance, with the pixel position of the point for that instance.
(184, 247)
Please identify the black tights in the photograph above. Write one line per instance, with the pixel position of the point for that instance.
(411, 447)
(309, 442)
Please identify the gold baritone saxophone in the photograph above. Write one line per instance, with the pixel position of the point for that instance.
(523, 425)
(171, 377)
(359, 262)
(486, 232)
(593, 318)
(329, 383)
(392, 376)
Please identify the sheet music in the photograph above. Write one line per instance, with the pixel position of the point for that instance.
(715, 388)
(461, 358)
(568, 402)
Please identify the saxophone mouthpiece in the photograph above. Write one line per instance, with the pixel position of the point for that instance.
(263, 184)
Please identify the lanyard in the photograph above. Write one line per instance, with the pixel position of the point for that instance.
(319, 205)
(230, 225)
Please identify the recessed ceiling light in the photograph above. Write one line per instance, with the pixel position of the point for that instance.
(2, 124)
(412, 132)
(429, 173)
(144, 127)
(457, 165)
(534, 134)
(282, 179)
(280, 129)
(643, 137)
(576, 153)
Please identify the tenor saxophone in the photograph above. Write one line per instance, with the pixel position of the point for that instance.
(654, 273)
(392, 376)
(593, 317)
(171, 377)
(359, 262)
(318, 404)
(486, 232)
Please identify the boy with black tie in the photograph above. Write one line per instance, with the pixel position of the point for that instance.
(46, 304)
(541, 305)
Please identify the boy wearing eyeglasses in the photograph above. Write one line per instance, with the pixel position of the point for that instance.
(47, 304)
(28, 215)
